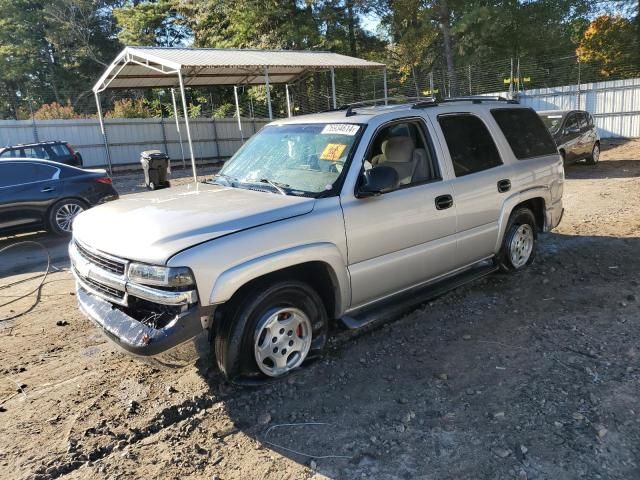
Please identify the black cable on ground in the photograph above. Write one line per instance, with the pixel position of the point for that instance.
(38, 289)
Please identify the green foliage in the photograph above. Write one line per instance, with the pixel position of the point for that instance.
(225, 110)
(150, 23)
(53, 51)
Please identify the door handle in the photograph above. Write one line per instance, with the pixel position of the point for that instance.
(47, 189)
(504, 185)
(443, 202)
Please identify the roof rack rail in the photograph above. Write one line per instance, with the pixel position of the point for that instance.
(401, 100)
(425, 102)
(480, 99)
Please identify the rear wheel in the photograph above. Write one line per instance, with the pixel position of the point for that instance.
(63, 213)
(519, 243)
(271, 330)
(594, 158)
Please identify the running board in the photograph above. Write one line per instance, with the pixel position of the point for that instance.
(401, 303)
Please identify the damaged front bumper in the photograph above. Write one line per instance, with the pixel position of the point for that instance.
(134, 336)
(148, 322)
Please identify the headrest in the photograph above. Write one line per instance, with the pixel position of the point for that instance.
(398, 149)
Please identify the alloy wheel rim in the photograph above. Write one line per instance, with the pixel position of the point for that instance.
(282, 341)
(595, 154)
(65, 215)
(521, 245)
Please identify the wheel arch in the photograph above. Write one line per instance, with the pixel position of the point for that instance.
(535, 200)
(319, 265)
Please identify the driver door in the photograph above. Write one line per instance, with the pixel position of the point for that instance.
(404, 237)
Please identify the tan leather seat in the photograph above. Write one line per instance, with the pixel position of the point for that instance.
(400, 154)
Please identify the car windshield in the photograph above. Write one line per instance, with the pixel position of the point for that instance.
(298, 159)
(552, 122)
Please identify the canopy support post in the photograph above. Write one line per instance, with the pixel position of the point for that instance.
(186, 124)
(384, 83)
(104, 133)
(235, 95)
(286, 88)
(266, 82)
(333, 87)
(175, 115)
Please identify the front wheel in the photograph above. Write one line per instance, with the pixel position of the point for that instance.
(519, 243)
(271, 330)
(595, 155)
(63, 213)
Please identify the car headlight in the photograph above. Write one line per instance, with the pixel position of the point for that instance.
(163, 276)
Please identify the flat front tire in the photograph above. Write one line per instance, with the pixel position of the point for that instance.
(520, 241)
(270, 330)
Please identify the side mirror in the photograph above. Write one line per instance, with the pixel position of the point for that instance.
(572, 130)
(378, 180)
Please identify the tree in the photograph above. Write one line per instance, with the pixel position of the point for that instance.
(50, 50)
(150, 23)
(53, 111)
(250, 24)
(610, 42)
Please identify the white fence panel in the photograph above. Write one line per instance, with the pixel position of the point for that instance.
(212, 138)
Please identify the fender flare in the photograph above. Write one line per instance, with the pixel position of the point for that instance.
(516, 199)
(232, 279)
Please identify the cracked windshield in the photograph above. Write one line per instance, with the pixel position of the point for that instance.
(292, 159)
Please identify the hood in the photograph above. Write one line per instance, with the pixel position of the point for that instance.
(153, 226)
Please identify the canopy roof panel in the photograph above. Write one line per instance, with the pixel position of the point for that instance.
(151, 67)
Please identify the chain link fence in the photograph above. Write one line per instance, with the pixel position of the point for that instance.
(313, 93)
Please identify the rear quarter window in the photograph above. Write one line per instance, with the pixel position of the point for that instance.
(470, 144)
(525, 132)
(59, 150)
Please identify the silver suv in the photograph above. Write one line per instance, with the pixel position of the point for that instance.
(335, 216)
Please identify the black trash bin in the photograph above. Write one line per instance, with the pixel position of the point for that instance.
(155, 165)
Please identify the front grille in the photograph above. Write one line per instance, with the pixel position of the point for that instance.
(103, 262)
(105, 289)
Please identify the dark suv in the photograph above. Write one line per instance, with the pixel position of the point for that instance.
(574, 133)
(56, 151)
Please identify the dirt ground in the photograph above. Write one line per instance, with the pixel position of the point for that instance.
(529, 376)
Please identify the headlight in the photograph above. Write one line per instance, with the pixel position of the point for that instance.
(164, 276)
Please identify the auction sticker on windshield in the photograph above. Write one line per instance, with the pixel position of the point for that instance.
(332, 152)
(341, 129)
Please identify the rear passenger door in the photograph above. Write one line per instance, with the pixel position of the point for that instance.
(480, 185)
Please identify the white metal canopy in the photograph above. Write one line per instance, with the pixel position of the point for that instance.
(163, 67)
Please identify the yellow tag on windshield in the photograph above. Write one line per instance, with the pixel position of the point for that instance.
(332, 152)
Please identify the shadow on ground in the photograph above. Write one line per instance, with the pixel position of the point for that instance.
(532, 375)
(604, 169)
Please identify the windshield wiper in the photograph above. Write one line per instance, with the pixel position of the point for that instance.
(229, 179)
(277, 186)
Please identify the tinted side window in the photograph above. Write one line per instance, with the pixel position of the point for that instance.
(59, 151)
(470, 144)
(571, 122)
(10, 154)
(582, 120)
(16, 173)
(36, 152)
(525, 132)
(13, 173)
